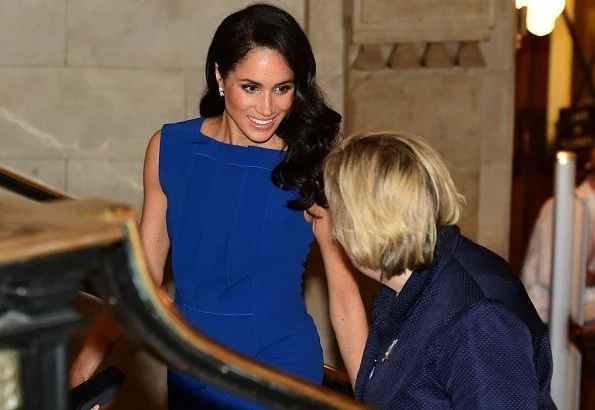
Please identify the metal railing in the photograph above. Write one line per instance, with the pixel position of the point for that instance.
(571, 342)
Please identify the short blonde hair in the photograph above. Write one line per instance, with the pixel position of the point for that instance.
(388, 194)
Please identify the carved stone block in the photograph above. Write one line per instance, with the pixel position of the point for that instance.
(415, 55)
(406, 56)
(396, 21)
(372, 57)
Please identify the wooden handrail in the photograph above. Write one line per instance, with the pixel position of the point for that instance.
(336, 374)
(150, 314)
(30, 229)
(28, 187)
(337, 380)
(31, 232)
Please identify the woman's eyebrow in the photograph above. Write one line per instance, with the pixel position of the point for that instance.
(260, 85)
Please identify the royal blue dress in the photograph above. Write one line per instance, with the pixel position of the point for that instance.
(238, 256)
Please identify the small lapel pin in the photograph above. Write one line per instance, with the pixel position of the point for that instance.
(389, 351)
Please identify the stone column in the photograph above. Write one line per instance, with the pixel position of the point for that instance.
(326, 31)
(443, 70)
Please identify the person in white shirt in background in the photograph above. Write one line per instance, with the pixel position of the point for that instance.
(537, 266)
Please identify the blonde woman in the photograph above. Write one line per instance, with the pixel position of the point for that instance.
(452, 325)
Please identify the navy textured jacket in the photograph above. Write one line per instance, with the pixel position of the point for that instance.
(462, 334)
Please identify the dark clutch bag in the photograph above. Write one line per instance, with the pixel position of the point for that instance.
(99, 389)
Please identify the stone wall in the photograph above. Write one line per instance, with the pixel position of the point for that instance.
(84, 84)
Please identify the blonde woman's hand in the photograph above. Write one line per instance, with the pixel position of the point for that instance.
(321, 226)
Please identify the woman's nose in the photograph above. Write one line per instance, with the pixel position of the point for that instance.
(265, 106)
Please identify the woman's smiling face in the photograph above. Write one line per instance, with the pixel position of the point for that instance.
(259, 93)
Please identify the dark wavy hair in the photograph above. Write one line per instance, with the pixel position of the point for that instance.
(311, 128)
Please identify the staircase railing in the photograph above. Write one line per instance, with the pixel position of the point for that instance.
(45, 266)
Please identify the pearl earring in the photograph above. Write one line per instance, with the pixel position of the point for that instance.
(221, 92)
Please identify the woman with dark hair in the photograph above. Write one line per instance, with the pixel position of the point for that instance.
(229, 193)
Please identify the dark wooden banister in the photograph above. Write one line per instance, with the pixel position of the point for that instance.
(28, 187)
(119, 286)
(148, 311)
(336, 374)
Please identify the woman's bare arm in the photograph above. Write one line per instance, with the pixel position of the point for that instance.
(105, 333)
(347, 312)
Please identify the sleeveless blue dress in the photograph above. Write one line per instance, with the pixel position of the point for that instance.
(238, 256)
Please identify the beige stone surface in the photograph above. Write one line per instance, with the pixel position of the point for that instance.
(467, 181)
(494, 211)
(50, 172)
(32, 32)
(466, 54)
(90, 113)
(145, 33)
(326, 32)
(381, 11)
(497, 117)
(395, 21)
(440, 55)
(373, 57)
(194, 87)
(444, 106)
(470, 55)
(407, 56)
(500, 50)
(119, 180)
(498, 128)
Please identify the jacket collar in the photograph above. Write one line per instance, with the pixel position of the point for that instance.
(398, 308)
